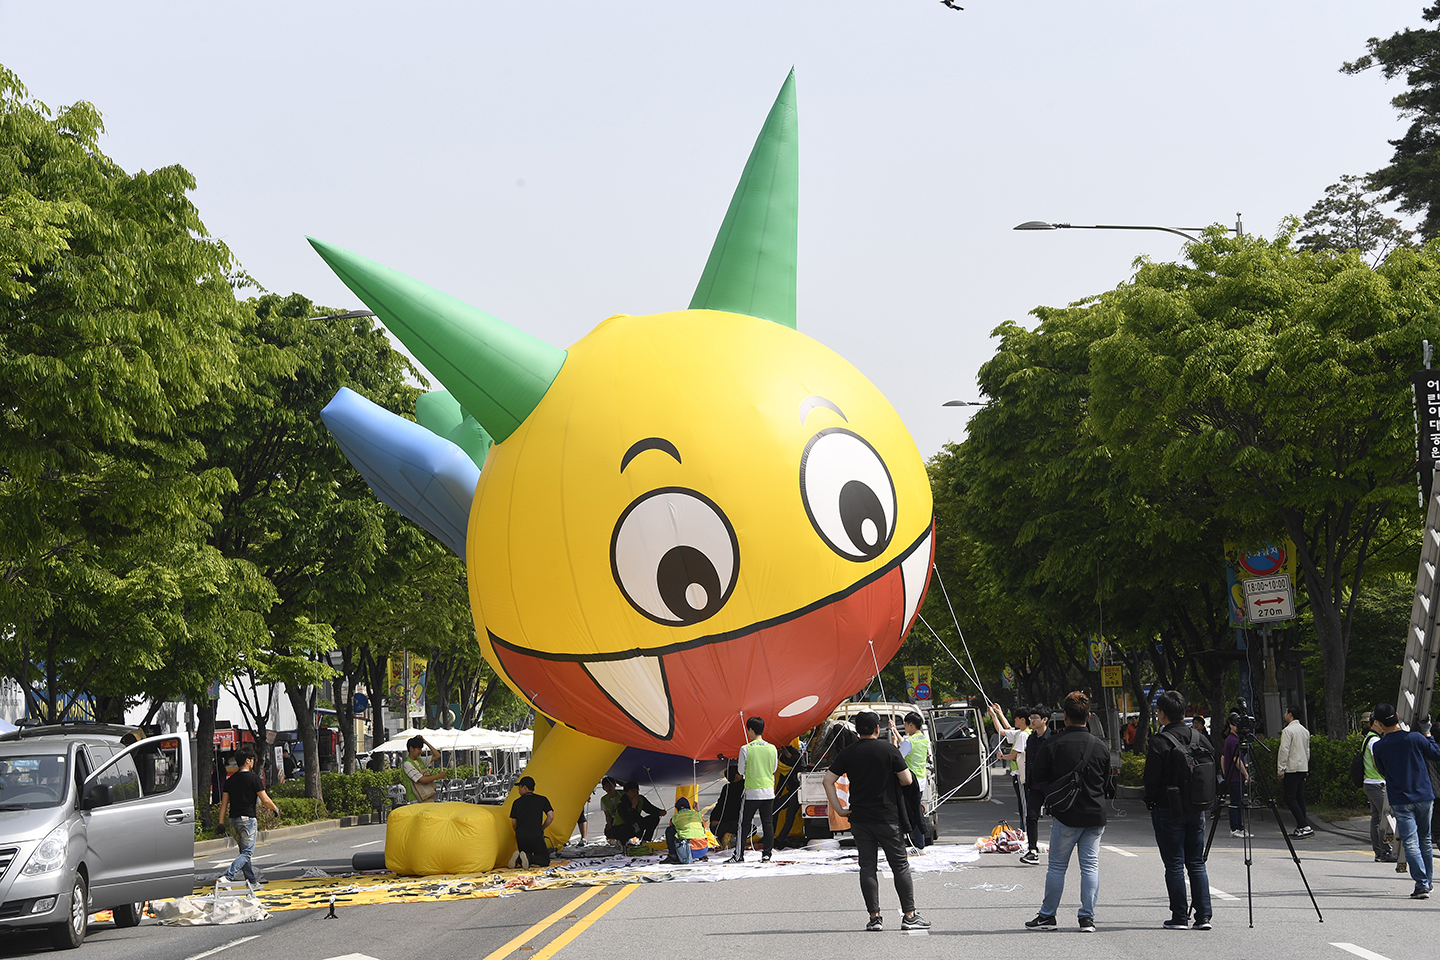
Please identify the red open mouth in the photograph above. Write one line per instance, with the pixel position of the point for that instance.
(691, 699)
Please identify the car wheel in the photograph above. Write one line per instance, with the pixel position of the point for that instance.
(70, 934)
(129, 914)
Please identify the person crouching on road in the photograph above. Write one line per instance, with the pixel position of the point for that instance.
(1179, 827)
(876, 771)
(530, 815)
(1072, 758)
(685, 836)
(242, 791)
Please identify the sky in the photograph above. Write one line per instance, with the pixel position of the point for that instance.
(558, 163)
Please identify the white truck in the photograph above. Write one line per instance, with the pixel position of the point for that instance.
(820, 821)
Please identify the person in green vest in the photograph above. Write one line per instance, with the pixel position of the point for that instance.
(610, 810)
(915, 748)
(758, 761)
(419, 779)
(686, 834)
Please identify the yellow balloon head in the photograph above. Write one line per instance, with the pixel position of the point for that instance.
(708, 517)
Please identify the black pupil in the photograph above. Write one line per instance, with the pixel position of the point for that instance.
(681, 568)
(858, 503)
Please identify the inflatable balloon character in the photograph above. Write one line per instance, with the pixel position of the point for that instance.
(683, 521)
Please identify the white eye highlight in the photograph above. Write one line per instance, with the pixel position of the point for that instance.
(674, 556)
(848, 494)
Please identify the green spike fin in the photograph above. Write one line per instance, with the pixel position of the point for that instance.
(469, 436)
(497, 372)
(438, 412)
(442, 415)
(751, 269)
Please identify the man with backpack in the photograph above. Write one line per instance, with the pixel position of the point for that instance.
(1072, 768)
(1179, 788)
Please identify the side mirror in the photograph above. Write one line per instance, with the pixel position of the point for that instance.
(96, 795)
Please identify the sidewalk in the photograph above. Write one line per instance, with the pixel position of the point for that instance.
(221, 844)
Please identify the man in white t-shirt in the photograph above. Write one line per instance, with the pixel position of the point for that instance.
(1015, 736)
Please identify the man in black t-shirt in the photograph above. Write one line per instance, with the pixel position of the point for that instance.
(530, 814)
(242, 791)
(876, 772)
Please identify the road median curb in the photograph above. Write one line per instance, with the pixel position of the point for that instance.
(221, 844)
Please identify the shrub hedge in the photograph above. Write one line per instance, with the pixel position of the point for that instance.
(1327, 786)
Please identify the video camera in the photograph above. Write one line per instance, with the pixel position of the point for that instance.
(1242, 718)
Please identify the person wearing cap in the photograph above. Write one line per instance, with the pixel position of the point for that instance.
(530, 814)
(685, 836)
(1374, 785)
(419, 779)
(1292, 762)
(1400, 757)
(875, 770)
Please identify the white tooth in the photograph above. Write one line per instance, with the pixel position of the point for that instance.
(913, 570)
(638, 686)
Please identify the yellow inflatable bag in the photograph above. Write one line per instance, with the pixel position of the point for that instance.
(424, 839)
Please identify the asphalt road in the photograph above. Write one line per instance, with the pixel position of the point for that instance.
(978, 911)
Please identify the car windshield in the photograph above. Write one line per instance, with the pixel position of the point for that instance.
(29, 782)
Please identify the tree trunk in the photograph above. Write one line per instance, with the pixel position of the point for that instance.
(345, 716)
(301, 701)
(205, 761)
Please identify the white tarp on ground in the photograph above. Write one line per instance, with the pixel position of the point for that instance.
(204, 911)
(819, 859)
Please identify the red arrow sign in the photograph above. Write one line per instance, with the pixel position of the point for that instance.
(1259, 603)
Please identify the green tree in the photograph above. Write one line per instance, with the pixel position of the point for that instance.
(116, 323)
(296, 510)
(1277, 379)
(1349, 217)
(1412, 178)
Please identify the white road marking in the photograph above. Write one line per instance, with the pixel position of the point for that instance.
(353, 956)
(289, 863)
(1360, 951)
(1123, 853)
(263, 856)
(224, 946)
(367, 843)
(1221, 894)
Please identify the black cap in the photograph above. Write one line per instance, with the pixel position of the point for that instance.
(527, 782)
(1385, 714)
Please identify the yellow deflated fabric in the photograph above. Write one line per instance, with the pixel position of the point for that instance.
(424, 839)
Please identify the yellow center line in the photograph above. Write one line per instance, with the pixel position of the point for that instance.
(556, 945)
(510, 947)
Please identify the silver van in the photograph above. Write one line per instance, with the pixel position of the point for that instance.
(92, 818)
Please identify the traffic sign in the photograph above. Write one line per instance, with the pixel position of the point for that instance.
(1268, 599)
(1110, 676)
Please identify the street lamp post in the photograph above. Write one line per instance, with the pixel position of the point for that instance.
(1238, 229)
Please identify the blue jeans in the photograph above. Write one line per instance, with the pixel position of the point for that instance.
(246, 829)
(1182, 850)
(1085, 841)
(1412, 822)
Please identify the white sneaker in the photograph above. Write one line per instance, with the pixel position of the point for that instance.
(1241, 833)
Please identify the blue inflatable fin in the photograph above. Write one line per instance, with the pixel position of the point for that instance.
(426, 478)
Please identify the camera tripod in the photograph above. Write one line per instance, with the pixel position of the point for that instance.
(1258, 792)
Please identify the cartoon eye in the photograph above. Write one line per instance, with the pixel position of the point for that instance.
(674, 555)
(848, 494)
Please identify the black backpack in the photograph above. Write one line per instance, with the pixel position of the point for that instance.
(1063, 792)
(1357, 762)
(1192, 772)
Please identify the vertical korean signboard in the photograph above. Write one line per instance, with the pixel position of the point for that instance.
(1427, 411)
